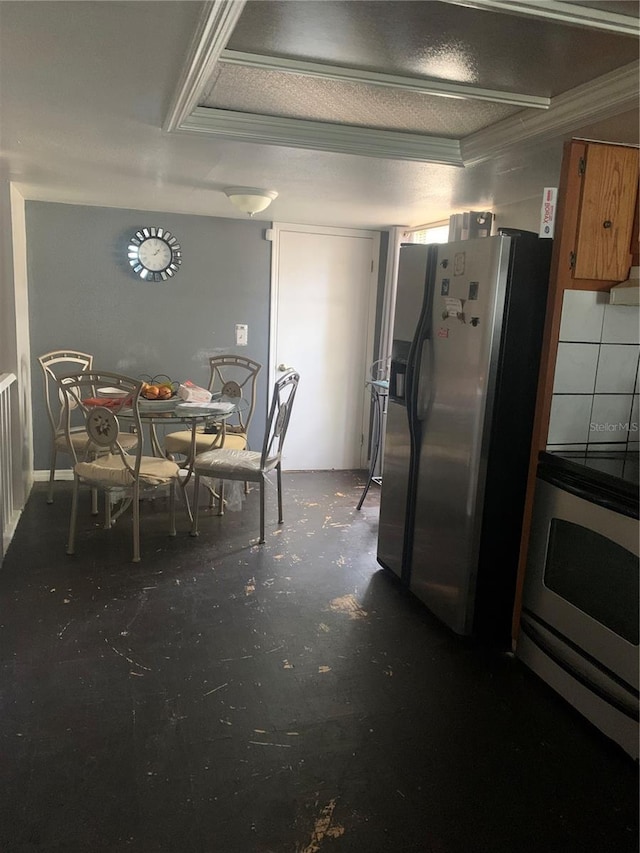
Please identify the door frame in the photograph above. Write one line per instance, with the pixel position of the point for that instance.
(367, 350)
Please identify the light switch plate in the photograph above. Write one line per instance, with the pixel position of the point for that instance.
(242, 334)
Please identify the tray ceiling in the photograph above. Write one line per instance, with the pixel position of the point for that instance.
(274, 93)
(359, 114)
(434, 81)
(434, 39)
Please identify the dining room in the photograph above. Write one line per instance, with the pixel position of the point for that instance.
(222, 694)
(94, 303)
(158, 698)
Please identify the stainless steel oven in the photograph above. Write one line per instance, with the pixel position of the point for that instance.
(579, 625)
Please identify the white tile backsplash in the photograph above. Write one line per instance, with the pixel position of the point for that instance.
(576, 368)
(610, 418)
(582, 315)
(569, 422)
(621, 324)
(617, 369)
(597, 375)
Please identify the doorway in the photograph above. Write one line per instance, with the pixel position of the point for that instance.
(323, 300)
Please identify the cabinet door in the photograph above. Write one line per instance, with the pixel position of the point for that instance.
(609, 190)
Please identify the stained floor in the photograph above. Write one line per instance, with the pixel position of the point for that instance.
(220, 697)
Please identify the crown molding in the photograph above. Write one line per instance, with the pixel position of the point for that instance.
(213, 31)
(421, 85)
(599, 99)
(320, 136)
(607, 96)
(561, 11)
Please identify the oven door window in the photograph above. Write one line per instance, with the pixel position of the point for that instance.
(595, 575)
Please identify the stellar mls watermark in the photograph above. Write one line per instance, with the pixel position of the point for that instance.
(620, 426)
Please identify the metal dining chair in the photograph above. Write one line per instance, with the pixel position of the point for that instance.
(101, 461)
(378, 385)
(251, 465)
(54, 365)
(232, 377)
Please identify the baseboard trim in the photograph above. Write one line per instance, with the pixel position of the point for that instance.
(43, 476)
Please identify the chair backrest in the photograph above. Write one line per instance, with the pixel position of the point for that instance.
(55, 364)
(234, 377)
(84, 406)
(284, 392)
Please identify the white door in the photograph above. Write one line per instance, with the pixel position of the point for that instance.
(323, 298)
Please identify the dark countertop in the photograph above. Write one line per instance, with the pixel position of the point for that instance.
(609, 478)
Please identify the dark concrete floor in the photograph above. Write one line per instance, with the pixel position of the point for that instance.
(220, 697)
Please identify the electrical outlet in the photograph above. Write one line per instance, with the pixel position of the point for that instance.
(242, 334)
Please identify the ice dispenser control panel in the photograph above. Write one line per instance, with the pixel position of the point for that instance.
(398, 370)
(397, 380)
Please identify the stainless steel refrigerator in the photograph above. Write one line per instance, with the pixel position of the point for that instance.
(466, 349)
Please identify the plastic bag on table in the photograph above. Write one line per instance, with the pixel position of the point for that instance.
(193, 393)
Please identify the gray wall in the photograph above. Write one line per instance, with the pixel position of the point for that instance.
(83, 295)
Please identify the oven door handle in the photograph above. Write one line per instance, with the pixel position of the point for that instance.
(581, 487)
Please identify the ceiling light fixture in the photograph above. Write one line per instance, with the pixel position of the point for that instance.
(250, 200)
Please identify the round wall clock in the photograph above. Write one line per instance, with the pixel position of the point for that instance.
(154, 254)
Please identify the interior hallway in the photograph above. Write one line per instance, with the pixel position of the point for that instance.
(220, 697)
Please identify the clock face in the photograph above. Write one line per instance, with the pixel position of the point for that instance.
(154, 254)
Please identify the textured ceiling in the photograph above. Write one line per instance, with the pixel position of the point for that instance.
(434, 39)
(294, 96)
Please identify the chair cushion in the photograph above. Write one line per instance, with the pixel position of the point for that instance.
(128, 440)
(231, 464)
(110, 471)
(180, 442)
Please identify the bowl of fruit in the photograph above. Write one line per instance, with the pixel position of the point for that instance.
(158, 394)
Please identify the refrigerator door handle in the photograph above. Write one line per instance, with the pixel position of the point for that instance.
(424, 381)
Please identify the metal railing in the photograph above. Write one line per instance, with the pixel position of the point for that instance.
(7, 498)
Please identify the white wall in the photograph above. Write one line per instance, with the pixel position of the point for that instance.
(19, 237)
(14, 342)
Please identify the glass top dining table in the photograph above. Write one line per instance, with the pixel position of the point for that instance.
(213, 416)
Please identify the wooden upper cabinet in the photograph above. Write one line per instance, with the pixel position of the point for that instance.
(608, 192)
